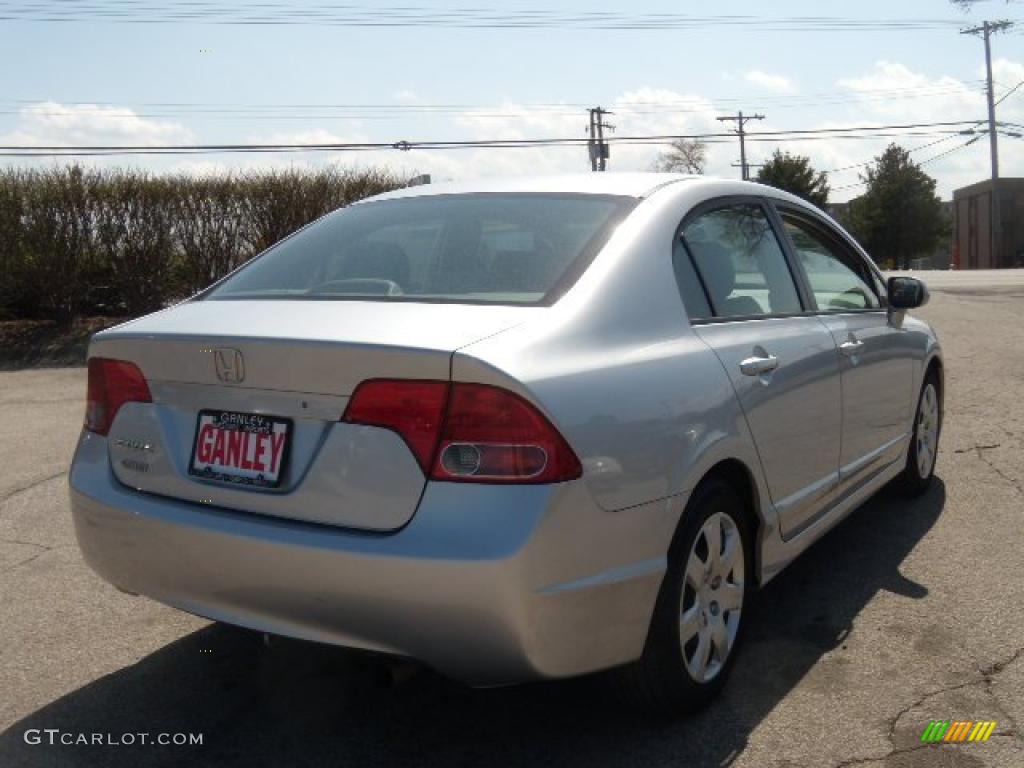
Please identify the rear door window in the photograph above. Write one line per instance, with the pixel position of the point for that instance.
(741, 264)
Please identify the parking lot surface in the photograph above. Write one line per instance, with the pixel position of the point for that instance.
(905, 613)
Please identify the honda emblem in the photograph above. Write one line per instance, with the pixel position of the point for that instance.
(229, 365)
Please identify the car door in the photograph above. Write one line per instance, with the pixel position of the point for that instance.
(875, 359)
(781, 361)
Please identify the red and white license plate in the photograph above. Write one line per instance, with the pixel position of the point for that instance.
(240, 448)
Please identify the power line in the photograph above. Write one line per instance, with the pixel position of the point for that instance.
(463, 106)
(42, 107)
(1009, 93)
(939, 156)
(861, 132)
(948, 137)
(949, 151)
(349, 15)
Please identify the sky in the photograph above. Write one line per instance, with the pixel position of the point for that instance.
(88, 79)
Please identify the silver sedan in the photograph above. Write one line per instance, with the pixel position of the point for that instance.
(517, 429)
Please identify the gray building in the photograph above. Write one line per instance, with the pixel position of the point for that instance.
(979, 215)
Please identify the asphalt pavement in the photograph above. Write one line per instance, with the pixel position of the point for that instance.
(905, 613)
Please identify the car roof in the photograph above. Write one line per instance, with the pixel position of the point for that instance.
(627, 184)
(638, 185)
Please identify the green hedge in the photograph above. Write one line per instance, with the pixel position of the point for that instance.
(76, 241)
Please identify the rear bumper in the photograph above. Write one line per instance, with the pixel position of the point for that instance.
(489, 585)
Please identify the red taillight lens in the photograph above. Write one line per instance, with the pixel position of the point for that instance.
(413, 409)
(112, 383)
(468, 433)
(494, 436)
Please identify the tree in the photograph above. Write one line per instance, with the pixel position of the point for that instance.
(794, 174)
(899, 216)
(682, 156)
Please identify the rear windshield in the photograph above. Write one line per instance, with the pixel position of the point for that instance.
(482, 248)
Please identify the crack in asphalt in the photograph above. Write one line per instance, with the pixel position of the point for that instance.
(998, 666)
(978, 448)
(45, 547)
(26, 561)
(987, 678)
(989, 675)
(903, 751)
(894, 720)
(1016, 485)
(11, 494)
(41, 401)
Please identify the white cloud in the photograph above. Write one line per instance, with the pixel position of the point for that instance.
(49, 123)
(1006, 75)
(644, 111)
(892, 93)
(307, 136)
(641, 112)
(770, 82)
(886, 93)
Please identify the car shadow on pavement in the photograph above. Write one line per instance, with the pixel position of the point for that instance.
(298, 704)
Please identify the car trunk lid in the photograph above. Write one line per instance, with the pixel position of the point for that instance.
(295, 363)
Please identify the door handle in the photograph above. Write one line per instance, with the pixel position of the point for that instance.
(851, 347)
(755, 366)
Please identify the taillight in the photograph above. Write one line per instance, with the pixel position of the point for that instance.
(112, 383)
(470, 433)
(492, 435)
(413, 409)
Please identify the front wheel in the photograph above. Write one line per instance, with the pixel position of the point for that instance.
(697, 622)
(924, 442)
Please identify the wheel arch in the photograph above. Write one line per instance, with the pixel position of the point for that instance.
(737, 475)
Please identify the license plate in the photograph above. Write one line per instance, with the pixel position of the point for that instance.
(240, 448)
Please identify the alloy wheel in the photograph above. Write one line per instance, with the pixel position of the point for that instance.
(927, 431)
(712, 597)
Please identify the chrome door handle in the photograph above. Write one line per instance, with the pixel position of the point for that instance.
(851, 348)
(755, 366)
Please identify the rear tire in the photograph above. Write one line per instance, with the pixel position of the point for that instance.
(697, 624)
(924, 441)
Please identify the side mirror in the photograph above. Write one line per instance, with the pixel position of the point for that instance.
(906, 292)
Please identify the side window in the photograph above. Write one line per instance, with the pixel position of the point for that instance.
(694, 298)
(838, 281)
(741, 262)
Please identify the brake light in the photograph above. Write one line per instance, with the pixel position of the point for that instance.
(492, 435)
(469, 433)
(112, 383)
(413, 409)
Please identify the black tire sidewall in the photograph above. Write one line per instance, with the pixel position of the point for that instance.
(663, 652)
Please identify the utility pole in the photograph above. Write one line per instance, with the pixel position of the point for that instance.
(749, 166)
(597, 146)
(741, 121)
(986, 30)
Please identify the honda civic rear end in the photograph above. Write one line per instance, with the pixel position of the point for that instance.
(311, 447)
